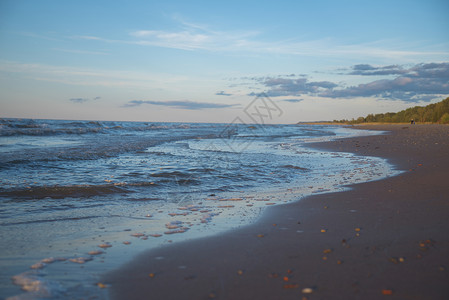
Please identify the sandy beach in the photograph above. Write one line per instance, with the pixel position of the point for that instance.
(382, 239)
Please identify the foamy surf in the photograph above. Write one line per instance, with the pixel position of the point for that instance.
(98, 209)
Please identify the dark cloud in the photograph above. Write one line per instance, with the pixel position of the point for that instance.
(293, 86)
(79, 100)
(431, 70)
(423, 82)
(82, 100)
(293, 100)
(368, 70)
(179, 104)
(222, 93)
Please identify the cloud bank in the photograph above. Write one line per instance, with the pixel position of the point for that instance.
(421, 82)
(180, 104)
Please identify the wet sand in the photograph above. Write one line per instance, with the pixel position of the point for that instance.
(384, 239)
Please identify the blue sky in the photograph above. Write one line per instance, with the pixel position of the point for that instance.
(206, 61)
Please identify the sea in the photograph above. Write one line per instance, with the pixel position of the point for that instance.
(81, 198)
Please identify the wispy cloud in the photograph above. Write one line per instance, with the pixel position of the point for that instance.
(195, 37)
(89, 77)
(191, 37)
(75, 51)
(191, 105)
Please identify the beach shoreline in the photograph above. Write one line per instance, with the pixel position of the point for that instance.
(386, 238)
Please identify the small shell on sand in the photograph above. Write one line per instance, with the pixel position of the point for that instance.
(38, 265)
(137, 234)
(80, 260)
(173, 225)
(232, 199)
(104, 246)
(169, 226)
(176, 214)
(49, 260)
(180, 230)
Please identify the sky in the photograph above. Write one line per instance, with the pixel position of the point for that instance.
(221, 61)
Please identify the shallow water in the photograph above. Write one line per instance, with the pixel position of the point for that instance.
(67, 187)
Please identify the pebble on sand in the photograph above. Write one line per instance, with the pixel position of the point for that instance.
(307, 290)
(291, 286)
(387, 292)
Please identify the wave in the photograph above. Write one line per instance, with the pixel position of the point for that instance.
(50, 220)
(32, 127)
(295, 168)
(59, 192)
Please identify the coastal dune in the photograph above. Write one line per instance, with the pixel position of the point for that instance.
(381, 239)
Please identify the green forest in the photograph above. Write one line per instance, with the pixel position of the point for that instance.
(432, 113)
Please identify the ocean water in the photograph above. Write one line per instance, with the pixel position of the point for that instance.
(79, 198)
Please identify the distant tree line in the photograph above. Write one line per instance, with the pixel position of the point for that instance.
(432, 113)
